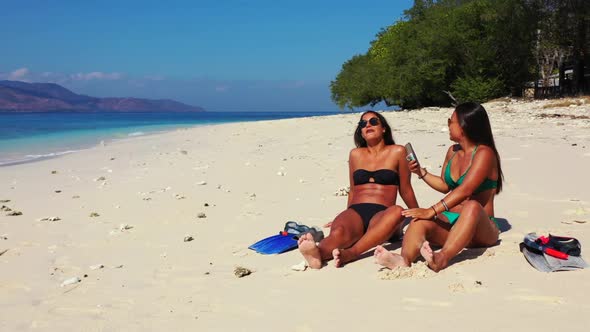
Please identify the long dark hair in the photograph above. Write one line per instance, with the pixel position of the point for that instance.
(475, 123)
(360, 142)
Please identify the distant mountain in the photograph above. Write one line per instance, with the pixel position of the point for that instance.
(21, 96)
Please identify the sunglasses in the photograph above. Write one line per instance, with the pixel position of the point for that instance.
(372, 121)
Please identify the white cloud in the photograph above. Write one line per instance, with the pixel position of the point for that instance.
(19, 74)
(95, 75)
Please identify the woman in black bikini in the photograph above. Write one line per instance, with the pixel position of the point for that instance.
(465, 216)
(378, 169)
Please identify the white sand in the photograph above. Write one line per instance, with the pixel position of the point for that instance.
(153, 280)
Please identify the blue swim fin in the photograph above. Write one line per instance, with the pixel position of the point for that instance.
(275, 244)
(265, 241)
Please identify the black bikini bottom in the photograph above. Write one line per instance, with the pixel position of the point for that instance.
(367, 211)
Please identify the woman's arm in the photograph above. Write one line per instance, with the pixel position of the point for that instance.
(351, 166)
(435, 182)
(406, 190)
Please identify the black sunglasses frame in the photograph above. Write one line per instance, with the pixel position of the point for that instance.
(374, 121)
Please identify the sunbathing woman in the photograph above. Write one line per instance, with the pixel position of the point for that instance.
(463, 218)
(377, 169)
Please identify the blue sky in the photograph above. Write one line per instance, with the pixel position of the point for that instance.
(222, 55)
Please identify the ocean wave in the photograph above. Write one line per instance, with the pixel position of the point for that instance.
(136, 133)
(35, 157)
(51, 154)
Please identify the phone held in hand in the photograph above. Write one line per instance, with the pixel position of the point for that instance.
(410, 154)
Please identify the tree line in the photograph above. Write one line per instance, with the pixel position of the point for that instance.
(445, 51)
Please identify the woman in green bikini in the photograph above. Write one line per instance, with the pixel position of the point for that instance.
(471, 176)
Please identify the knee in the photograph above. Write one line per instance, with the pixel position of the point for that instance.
(415, 227)
(471, 206)
(394, 212)
(339, 232)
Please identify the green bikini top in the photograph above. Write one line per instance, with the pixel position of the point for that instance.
(485, 185)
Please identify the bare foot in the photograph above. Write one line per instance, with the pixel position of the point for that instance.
(310, 251)
(342, 256)
(388, 259)
(436, 260)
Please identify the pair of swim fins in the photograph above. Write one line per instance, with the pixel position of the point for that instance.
(275, 244)
(287, 239)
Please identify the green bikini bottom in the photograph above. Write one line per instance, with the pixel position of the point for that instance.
(453, 216)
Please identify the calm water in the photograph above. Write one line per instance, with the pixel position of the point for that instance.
(26, 137)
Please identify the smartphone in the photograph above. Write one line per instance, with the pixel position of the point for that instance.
(410, 154)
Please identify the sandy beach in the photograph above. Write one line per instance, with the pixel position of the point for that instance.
(119, 217)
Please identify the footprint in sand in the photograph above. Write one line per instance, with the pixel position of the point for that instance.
(466, 286)
(418, 270)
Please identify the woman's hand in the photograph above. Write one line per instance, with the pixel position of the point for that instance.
(419, 213)
(415, 167)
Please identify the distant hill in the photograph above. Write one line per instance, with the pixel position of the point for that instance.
(21, 96)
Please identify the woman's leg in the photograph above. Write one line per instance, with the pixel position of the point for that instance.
(346, 229)
(418, 231)
(473, 228)
(381, 228)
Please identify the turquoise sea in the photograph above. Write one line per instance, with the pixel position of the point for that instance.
(31, 136)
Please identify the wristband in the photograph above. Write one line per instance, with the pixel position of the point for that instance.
(444, 204)
(425, 173)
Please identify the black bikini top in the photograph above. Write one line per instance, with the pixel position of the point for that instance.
(380, 176)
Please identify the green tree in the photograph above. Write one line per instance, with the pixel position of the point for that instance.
(477, 49)
(353, 87)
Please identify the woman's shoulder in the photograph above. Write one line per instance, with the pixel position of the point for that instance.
(454, 148)
(356, 151)
(484, 151)
(396, 150)
(485, 148)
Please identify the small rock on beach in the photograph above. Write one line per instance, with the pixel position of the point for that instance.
(70, 281)
(14, 213)
(50, 219)
(241, 272)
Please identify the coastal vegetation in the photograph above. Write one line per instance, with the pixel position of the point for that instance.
(453, 50)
